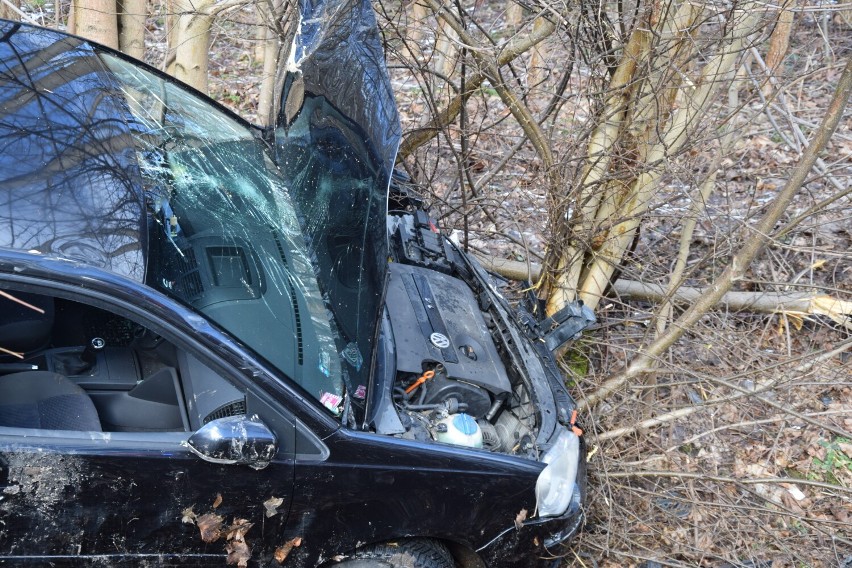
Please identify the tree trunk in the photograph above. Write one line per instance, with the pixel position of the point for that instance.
(446, 52)
(170, 18)
(539, 60)
(193, 40)
(262, 32)
(72, 17)
(514, 14)
(779, 41)
(275, 17)
(131, 20)
(97, 20)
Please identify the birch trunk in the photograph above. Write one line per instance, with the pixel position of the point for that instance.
(193, 40)
(97, 20)
(131, 20)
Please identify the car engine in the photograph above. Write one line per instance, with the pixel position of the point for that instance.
(466, 370)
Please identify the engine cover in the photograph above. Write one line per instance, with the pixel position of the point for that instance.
(436, 319)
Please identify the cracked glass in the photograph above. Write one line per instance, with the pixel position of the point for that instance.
(223, 235)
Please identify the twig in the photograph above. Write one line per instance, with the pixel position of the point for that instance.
(19, 301)
(723, 479)
(743, 393)
(749, 423)
(12, 353)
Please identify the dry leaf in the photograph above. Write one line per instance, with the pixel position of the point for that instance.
(520, 518)
(272, 505)
(841, 514)
(238, 529)
(283, 551)
(210, 525)
(217, 501)
(188, 515)
(238, 553)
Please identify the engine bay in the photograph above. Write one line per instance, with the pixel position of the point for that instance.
(465, 373)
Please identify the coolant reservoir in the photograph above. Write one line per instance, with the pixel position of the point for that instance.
(459, 429)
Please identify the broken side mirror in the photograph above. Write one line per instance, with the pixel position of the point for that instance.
(234, 440)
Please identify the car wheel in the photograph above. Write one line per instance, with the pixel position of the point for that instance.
(414, 553)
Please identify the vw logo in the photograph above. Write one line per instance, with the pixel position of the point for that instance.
(439, 340)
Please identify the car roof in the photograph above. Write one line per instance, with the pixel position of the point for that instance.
(69, 181)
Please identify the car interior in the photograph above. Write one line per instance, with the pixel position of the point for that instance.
(65, 365)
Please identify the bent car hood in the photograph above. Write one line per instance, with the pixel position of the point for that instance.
(336, 141)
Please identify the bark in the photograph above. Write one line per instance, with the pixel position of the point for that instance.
(779, 41)
(446, 52)
(97, 20)
(539, 59)
(171, 19)
(72, 17)
(194, 24)
(416, 20)
(193, 40)
(131, 20)
(262, 32)
(514, 14)
(271, 13)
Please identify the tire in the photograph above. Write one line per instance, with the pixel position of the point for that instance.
(411, 553)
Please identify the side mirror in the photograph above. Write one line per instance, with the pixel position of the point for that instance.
(234, 440)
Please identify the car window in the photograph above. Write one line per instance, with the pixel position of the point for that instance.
(223, 234)
(69, 184)
(69, 366)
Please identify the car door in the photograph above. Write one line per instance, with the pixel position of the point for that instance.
(136, 491)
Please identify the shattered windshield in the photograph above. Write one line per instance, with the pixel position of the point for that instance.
(222, 233)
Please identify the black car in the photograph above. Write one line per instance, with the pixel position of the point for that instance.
(223, 344)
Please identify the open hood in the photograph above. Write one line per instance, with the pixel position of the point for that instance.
(336, 140)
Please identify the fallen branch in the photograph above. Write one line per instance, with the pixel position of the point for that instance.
(795, 304)
(723, 479)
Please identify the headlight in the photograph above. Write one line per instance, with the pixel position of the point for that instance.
(555, 485)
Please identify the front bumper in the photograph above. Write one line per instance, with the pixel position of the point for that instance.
(538, 543)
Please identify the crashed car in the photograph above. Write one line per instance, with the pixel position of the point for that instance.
(226, 344)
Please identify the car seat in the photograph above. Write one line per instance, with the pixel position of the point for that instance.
(42, 399)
